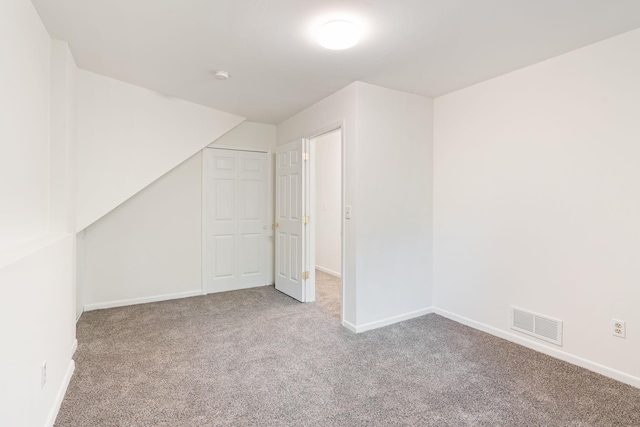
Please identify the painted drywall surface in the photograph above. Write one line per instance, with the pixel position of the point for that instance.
(62, 185)
(36, 278)
(129, 136)
(387, 181)
(24, 124)
(151, 244)
(62, 149)
(338, 109)
(161, 233)
(249, 134)
(395, 176)
(536, 199)
(46, 332)
(328, 217)
(80, 280)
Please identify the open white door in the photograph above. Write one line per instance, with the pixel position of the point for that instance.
(289, 228)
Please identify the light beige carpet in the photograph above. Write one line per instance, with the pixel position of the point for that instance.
(329, 293)
(258, 358)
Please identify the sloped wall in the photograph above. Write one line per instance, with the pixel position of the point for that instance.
(249, 134)
(129, 136)
(150, 247)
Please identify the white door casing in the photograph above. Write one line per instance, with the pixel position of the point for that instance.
(235, 220)
(291, 173)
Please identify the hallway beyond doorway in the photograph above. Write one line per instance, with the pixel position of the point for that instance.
(329, 293)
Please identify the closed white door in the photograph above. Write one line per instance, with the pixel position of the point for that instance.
(290, 219)
(237, 232)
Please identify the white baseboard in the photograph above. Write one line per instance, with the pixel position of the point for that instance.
(74, 347)
(553, 352)
(350, 326)
(143, 300)
(386, 322)
(328, 271)
(51, 419)
(236, 288)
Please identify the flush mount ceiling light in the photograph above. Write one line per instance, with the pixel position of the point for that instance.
(221, 74)
(338, 35)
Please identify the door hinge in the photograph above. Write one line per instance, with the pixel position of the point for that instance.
(275, 225)
(305, 275)
(305, 156)
(305, 220)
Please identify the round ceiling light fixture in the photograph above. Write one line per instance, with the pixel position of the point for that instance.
(338, 35)
(221, 74)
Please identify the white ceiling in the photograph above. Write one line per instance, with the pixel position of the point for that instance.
(428, 47)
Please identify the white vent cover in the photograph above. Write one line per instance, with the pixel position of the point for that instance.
(542, 327)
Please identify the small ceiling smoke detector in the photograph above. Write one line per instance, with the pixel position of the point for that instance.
(221, 74)
(338, 35)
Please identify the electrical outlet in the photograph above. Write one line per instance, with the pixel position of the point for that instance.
(43, 374)
(619, 328)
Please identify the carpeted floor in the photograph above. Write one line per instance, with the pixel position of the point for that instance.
(258, 358)
(329, 293)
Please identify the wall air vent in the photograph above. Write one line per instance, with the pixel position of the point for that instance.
(542, 327)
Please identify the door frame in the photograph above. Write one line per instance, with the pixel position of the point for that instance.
(206, 173)
(310, 286)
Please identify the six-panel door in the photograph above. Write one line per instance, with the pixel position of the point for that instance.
(290, 188)
(236, 220)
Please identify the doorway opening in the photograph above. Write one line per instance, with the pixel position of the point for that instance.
(326, 209)
(304, 225)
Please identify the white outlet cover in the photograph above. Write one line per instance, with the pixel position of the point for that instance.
(619, 328)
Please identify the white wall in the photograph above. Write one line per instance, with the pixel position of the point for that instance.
(24, 123)
(150, 247)
(37, 325)
(36, 184)
(395, 181)
(80, 279)
(129, 136)
(537, 201)
(328, 215)
(388, 181)
(249, 134)
(63, 149)
(62, 173)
